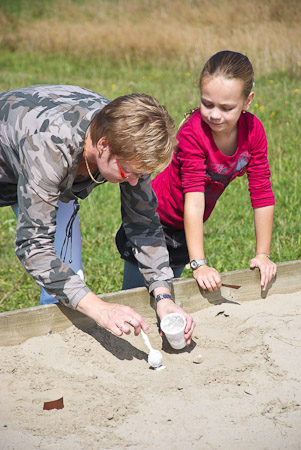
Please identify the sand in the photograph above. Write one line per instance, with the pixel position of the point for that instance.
(245, 393)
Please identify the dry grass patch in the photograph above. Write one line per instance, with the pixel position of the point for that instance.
(187, 31)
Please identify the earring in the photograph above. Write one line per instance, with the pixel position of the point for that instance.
(244, 111)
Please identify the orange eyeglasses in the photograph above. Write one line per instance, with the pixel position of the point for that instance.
(122, 174)
(131, 174)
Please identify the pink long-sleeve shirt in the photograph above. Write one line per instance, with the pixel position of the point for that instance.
(199, 166)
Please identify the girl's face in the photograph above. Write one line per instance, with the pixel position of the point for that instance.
(222, 102)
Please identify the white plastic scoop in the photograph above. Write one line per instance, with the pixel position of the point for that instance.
(155, 357)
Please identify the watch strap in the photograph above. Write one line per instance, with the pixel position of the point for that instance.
(162, 296)
(196, 263)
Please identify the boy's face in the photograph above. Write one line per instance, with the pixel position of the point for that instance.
(115, 171)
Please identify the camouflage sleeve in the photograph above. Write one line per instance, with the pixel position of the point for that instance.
(38, 193)
(144, 232)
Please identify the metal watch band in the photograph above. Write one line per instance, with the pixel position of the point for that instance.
(195, 263)
(265, 254)
(162, 296)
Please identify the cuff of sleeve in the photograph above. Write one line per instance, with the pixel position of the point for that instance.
(194, 189)
(159, 284)
(80, 294)
(259, 203)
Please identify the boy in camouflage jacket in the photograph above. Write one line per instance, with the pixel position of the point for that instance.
(56, 144)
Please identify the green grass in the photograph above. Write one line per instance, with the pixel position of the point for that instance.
(173, 85)
(229, 233)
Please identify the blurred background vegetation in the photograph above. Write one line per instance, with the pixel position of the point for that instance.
(159, 47)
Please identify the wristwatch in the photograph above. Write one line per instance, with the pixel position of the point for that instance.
(162, 296)
(195, 263)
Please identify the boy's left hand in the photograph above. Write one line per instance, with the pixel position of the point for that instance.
(268, 269)
(167, 306)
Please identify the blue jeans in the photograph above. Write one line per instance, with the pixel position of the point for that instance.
(64, 213)
(133, 278)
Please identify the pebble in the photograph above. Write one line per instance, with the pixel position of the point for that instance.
(198, 359)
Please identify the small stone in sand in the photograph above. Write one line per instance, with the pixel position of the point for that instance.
(198, 359)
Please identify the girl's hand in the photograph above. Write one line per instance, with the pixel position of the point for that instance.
(208, 278)
(167, 306)
(268, 269)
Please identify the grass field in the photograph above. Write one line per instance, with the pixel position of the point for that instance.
(148, 51)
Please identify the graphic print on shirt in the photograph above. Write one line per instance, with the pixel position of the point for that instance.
(224, 173)
(220, 175)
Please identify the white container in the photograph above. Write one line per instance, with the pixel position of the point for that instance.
(173, 326)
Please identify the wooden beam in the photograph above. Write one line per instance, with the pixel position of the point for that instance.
(17, 326)
(192, 298)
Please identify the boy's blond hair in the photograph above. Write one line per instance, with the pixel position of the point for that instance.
(138, 129)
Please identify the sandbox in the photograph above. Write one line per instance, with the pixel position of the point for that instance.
(238, 386)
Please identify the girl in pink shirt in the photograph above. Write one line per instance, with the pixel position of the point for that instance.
(219, 142)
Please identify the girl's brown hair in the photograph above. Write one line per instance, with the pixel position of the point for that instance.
(230, 65)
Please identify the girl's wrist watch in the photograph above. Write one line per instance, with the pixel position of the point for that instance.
(195, 263)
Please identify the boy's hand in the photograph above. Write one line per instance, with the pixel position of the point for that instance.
(167, 306)
(117, 318)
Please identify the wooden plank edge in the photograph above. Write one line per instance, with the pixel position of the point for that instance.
(192, 298)
(20, 325)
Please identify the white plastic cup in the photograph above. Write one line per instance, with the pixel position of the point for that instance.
(173, 326)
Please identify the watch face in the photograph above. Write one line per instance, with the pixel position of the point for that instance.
(193, 264)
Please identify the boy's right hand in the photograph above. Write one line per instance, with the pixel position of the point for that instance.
(207, 278)
(114, 317)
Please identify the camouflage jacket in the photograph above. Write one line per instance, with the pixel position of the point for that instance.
(42, 133)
